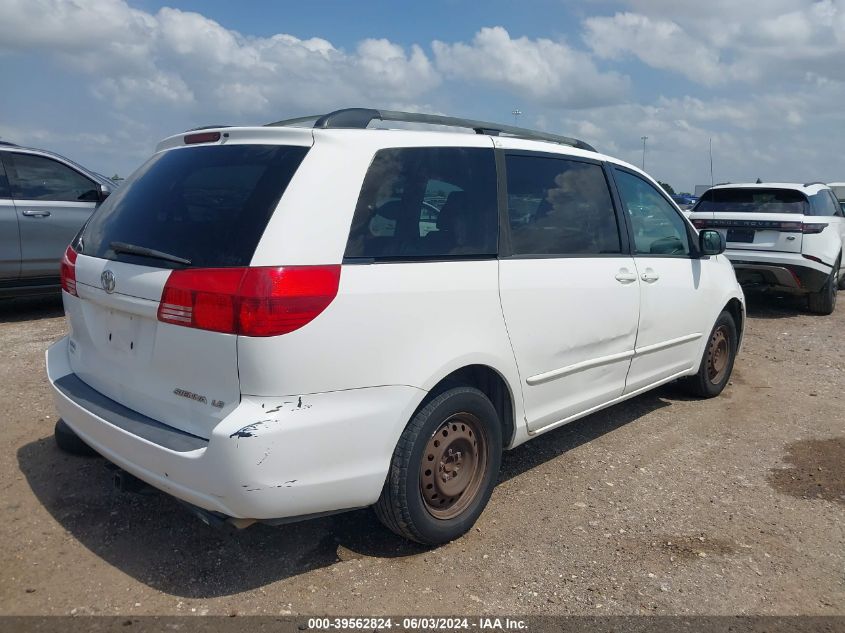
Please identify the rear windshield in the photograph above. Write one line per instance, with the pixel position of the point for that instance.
(206, 204)
(749, 200)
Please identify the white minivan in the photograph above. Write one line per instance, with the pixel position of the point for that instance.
(279, 322)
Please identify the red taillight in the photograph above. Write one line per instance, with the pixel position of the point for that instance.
(204, 298)
(700, 224)
(248, 301)
(813, 228)
(280, 300)
(67, 269)
(202, 137)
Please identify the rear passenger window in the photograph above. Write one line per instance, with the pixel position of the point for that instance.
(426, 203)
(559, 207)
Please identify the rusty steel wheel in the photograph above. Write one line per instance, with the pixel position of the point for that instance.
(717, 361)
(443, 468)
(453, 466)
(718, 355)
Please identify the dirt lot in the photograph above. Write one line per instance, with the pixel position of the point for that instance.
(661, 505)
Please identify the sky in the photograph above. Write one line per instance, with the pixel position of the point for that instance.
(102, 81)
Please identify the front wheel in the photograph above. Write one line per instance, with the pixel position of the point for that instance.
(443, 469)
(718, 360)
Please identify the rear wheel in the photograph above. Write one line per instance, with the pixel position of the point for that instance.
(444, 468)
(824, 301)
(69, 442)
(718, 360)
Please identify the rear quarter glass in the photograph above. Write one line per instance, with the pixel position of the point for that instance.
(207, 204)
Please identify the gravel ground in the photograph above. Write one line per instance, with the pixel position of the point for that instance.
(661, 505)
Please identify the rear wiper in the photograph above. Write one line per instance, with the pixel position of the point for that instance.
(134, 249)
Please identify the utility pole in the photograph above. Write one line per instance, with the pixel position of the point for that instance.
(644, 139)
(516, 112)
(711, 161)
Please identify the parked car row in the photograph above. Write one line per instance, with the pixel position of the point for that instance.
(685, 201)
(274, 323)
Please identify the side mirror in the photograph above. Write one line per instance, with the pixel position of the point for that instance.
(711, 242)
(104, 192)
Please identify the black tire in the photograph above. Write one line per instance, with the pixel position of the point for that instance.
(824, 301)
(402, 507)
(713, 376)
(69, 442)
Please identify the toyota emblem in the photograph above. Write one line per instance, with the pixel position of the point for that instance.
(107, 280)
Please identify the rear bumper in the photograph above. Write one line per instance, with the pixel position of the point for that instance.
(271, 458)
(787, 272)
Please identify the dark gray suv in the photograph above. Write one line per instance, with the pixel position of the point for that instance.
(44, 201)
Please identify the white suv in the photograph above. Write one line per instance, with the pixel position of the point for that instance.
(780, 236)
(279, 322)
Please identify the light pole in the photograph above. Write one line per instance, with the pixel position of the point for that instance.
(516, 112)
(711, 161)
(644, 139)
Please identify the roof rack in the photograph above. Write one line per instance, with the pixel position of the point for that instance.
(815, 182)
(360, 118)
(9, 144)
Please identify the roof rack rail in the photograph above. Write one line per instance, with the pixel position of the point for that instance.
(815, 182)
(360, 118)
(9, 144)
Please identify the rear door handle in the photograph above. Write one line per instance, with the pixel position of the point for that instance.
(36, 213)
(625, 276)
(649, 276)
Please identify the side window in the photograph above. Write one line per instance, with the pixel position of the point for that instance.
(837, 207)
(559, 207)
(658, 228)
(426, 203)
(4, 182)
(40, 178)
(824, 204)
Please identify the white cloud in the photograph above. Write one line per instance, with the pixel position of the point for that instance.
(662, 44)
(777, 136)
(724, 41)
(545, 71)
(184, 59)
(767, 80)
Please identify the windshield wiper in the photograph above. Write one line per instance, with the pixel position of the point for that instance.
(134, 249)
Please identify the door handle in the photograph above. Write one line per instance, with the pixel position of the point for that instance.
(625, 276)
(649, 276)
(36, 213)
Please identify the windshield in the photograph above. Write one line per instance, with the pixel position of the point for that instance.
(751, 200)
(206, 204)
